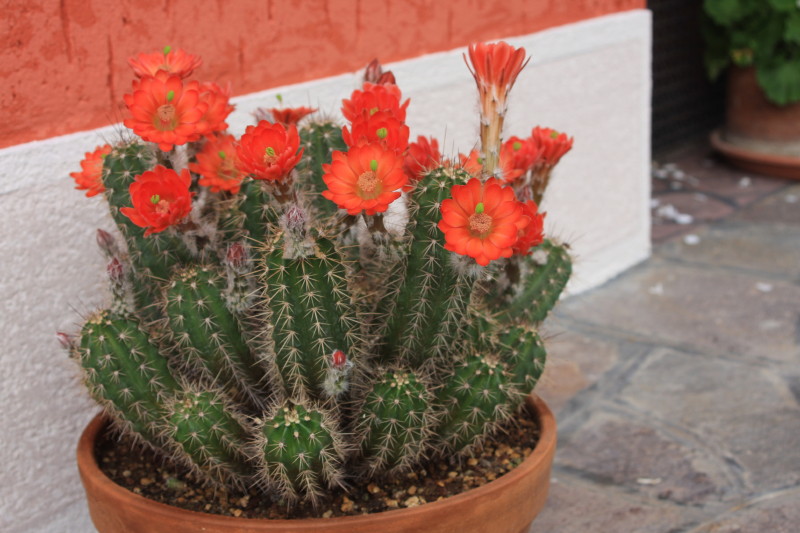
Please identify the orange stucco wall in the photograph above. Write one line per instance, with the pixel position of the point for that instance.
(63, 62)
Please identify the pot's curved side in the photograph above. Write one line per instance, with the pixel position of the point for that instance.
(750, 116)
(506, 505)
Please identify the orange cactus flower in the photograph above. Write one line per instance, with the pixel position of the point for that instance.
(268, 151)
(164, 110)
(482, 220)
(373, 98)
(422, 155)
(552, 145)
(286, 116)
(90, 178)
(216, 165)
(471, 162)
(533, 234)
(168, 60)
(367, 178)
(381, 128)
(218, 108)
(160, 198)
(495, 67)
(517, 156)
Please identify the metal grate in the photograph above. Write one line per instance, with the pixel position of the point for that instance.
(685, 104)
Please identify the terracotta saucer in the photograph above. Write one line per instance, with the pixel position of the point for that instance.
(780, 166)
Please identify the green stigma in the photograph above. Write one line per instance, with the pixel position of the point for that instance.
(103, 156)
(517, 145)
(279, 98)
(170, 96)
(155, 199)
(373, 165)
(553, 134)
(270, 151)
(382, 133)
(167, 49)
(222, 154)
(480, 160)
(373, 110)
(479, 208)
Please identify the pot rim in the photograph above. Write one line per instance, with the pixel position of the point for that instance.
(89, 469)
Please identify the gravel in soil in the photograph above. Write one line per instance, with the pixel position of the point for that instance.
(145, 473)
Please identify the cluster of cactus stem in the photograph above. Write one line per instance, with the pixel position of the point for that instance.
(269, 344)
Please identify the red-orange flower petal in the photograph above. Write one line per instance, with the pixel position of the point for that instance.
(471, 163)
(482, 220)
(422, 156)
(216, 164)
(551, 144)
(517, 156)
(286, 116)
(164, 110)
(268, 151)
(218, 107)
(381, 128)
(90, 178)
(533, 234)
(367, 178)
(170, 61)
(373, 98)
(495, 67)
(160, 198)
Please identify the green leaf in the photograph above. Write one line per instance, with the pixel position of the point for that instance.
(727, 12)
(783, 5)
(780, 81)
(791, 32)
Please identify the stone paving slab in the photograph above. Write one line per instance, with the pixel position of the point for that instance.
(777, 513)
(697, 308)
(617, 449)
(760, 248)
(577, 506)
(744, 413)
(780, 208)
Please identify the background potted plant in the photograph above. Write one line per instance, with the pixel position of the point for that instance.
(758, 43)
(308, 309)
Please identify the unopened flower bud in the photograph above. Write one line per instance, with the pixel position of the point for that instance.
(236, 256)
(338, 359)
(387, 78)
(116, 271)
(64, 340)
(107, 243)
(295, 219)
(373, 71)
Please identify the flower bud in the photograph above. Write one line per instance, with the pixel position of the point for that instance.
(107, 243)
(373, 71)
(236, 257)
(115, 270)
(338, 359)
(64, 340)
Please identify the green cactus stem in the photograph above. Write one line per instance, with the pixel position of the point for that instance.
(475, 399)
(209, 337)
(300, 452)
(152, 257)
(125, 374)
(209, 435)
(395, 422)
(250, 215)
(544, 274)
(312, 313)
(319, 140)
(523, 351)
(422, 312)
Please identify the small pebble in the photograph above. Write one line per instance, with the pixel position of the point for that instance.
(145, 481)
(691, 239)
(327, 514)
(373, 488)
(764, 287)
(745, 182)
(393, 504)
(126, 473)
(236, 512)
(412, 490)
(451, 474)
(347, 505)
(412, 501)
(472, 461)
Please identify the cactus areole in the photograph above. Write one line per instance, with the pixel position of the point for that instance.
(314, 304)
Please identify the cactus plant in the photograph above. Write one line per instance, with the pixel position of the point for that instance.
(274, 327)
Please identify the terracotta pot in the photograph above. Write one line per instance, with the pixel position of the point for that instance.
(750, 117)
(506, 505)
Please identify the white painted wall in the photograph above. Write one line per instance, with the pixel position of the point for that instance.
(590, 79)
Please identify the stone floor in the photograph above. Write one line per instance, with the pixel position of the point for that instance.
(677, 385)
